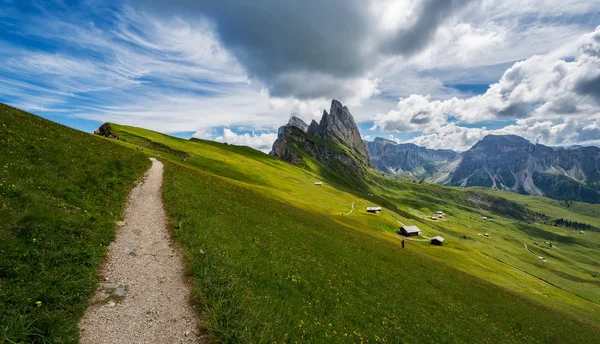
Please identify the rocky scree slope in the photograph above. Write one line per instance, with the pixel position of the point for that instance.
(407, 158)
(512, 163)
(505, 162)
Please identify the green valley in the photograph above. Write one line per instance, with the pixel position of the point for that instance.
(275, 258)
(287, 243)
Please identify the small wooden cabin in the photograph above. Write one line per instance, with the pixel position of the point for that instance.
(319, 183)
(409, 230)
(374, 210)
(437, 240)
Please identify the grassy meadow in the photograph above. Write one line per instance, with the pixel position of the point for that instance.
(61, 192)
(259, 233)
(275, 258)
(266, 271)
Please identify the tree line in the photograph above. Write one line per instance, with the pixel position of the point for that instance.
(571, 224)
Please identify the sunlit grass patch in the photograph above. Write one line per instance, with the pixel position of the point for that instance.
(61, 192)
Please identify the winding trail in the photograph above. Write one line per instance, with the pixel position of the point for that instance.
(145, 297)
(526, 247)
(412, 239)
(351, 210)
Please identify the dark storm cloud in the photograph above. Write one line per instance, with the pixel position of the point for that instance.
(590, 87)
(564, 105)
(431, 14)
(420, 118)
(516, 110)
(283, 43)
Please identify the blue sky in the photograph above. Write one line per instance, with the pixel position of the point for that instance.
(186, 68)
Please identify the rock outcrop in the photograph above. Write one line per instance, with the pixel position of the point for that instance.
(334, 142)
(339, 125)
(280, 145)
(105, 130)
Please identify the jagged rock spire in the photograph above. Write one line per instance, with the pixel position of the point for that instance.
(339, 124)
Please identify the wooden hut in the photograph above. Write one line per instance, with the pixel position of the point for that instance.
(437, 240)
(374, 210)
(409, 230)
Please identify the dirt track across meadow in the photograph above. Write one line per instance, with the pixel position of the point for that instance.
(144, 297)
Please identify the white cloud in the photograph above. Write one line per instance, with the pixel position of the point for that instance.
(562, 83)
(451, 136)
(259, 141)
(416, 113)
(585, 131)
(392, 138)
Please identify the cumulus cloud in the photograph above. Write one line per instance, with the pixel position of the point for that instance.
(564, 82)
(584, 131)
(451, 136)
(416, 113)
(259, 141)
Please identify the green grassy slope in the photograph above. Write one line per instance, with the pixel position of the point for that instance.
(573, 211)
(266, 271)
(61, 192)
(274, 243)
(567, 281)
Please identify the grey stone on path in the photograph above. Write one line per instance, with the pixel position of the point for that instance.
(147, 299)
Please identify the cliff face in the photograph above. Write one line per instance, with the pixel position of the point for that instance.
(512, 163)
(408, 158)
(505, 162)
(281, 148)
(335, 142)
(338, 125)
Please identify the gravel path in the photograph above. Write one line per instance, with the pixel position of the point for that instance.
(526, 247)
(144, 298)
(351, 210)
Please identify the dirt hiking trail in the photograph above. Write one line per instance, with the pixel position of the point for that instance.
(144, 297)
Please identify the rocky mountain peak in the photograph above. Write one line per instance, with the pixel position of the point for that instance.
(381, 140)
(339, 124)
(512, 163)
(502, 144)
(313, 128)
(408, 158)
(335, 142)
(298, 123)
(504, 140)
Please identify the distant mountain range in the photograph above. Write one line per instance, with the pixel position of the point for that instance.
(410, 159)
(505, 162)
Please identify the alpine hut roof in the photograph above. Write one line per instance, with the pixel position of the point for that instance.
(410, 230)
(437, 240)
